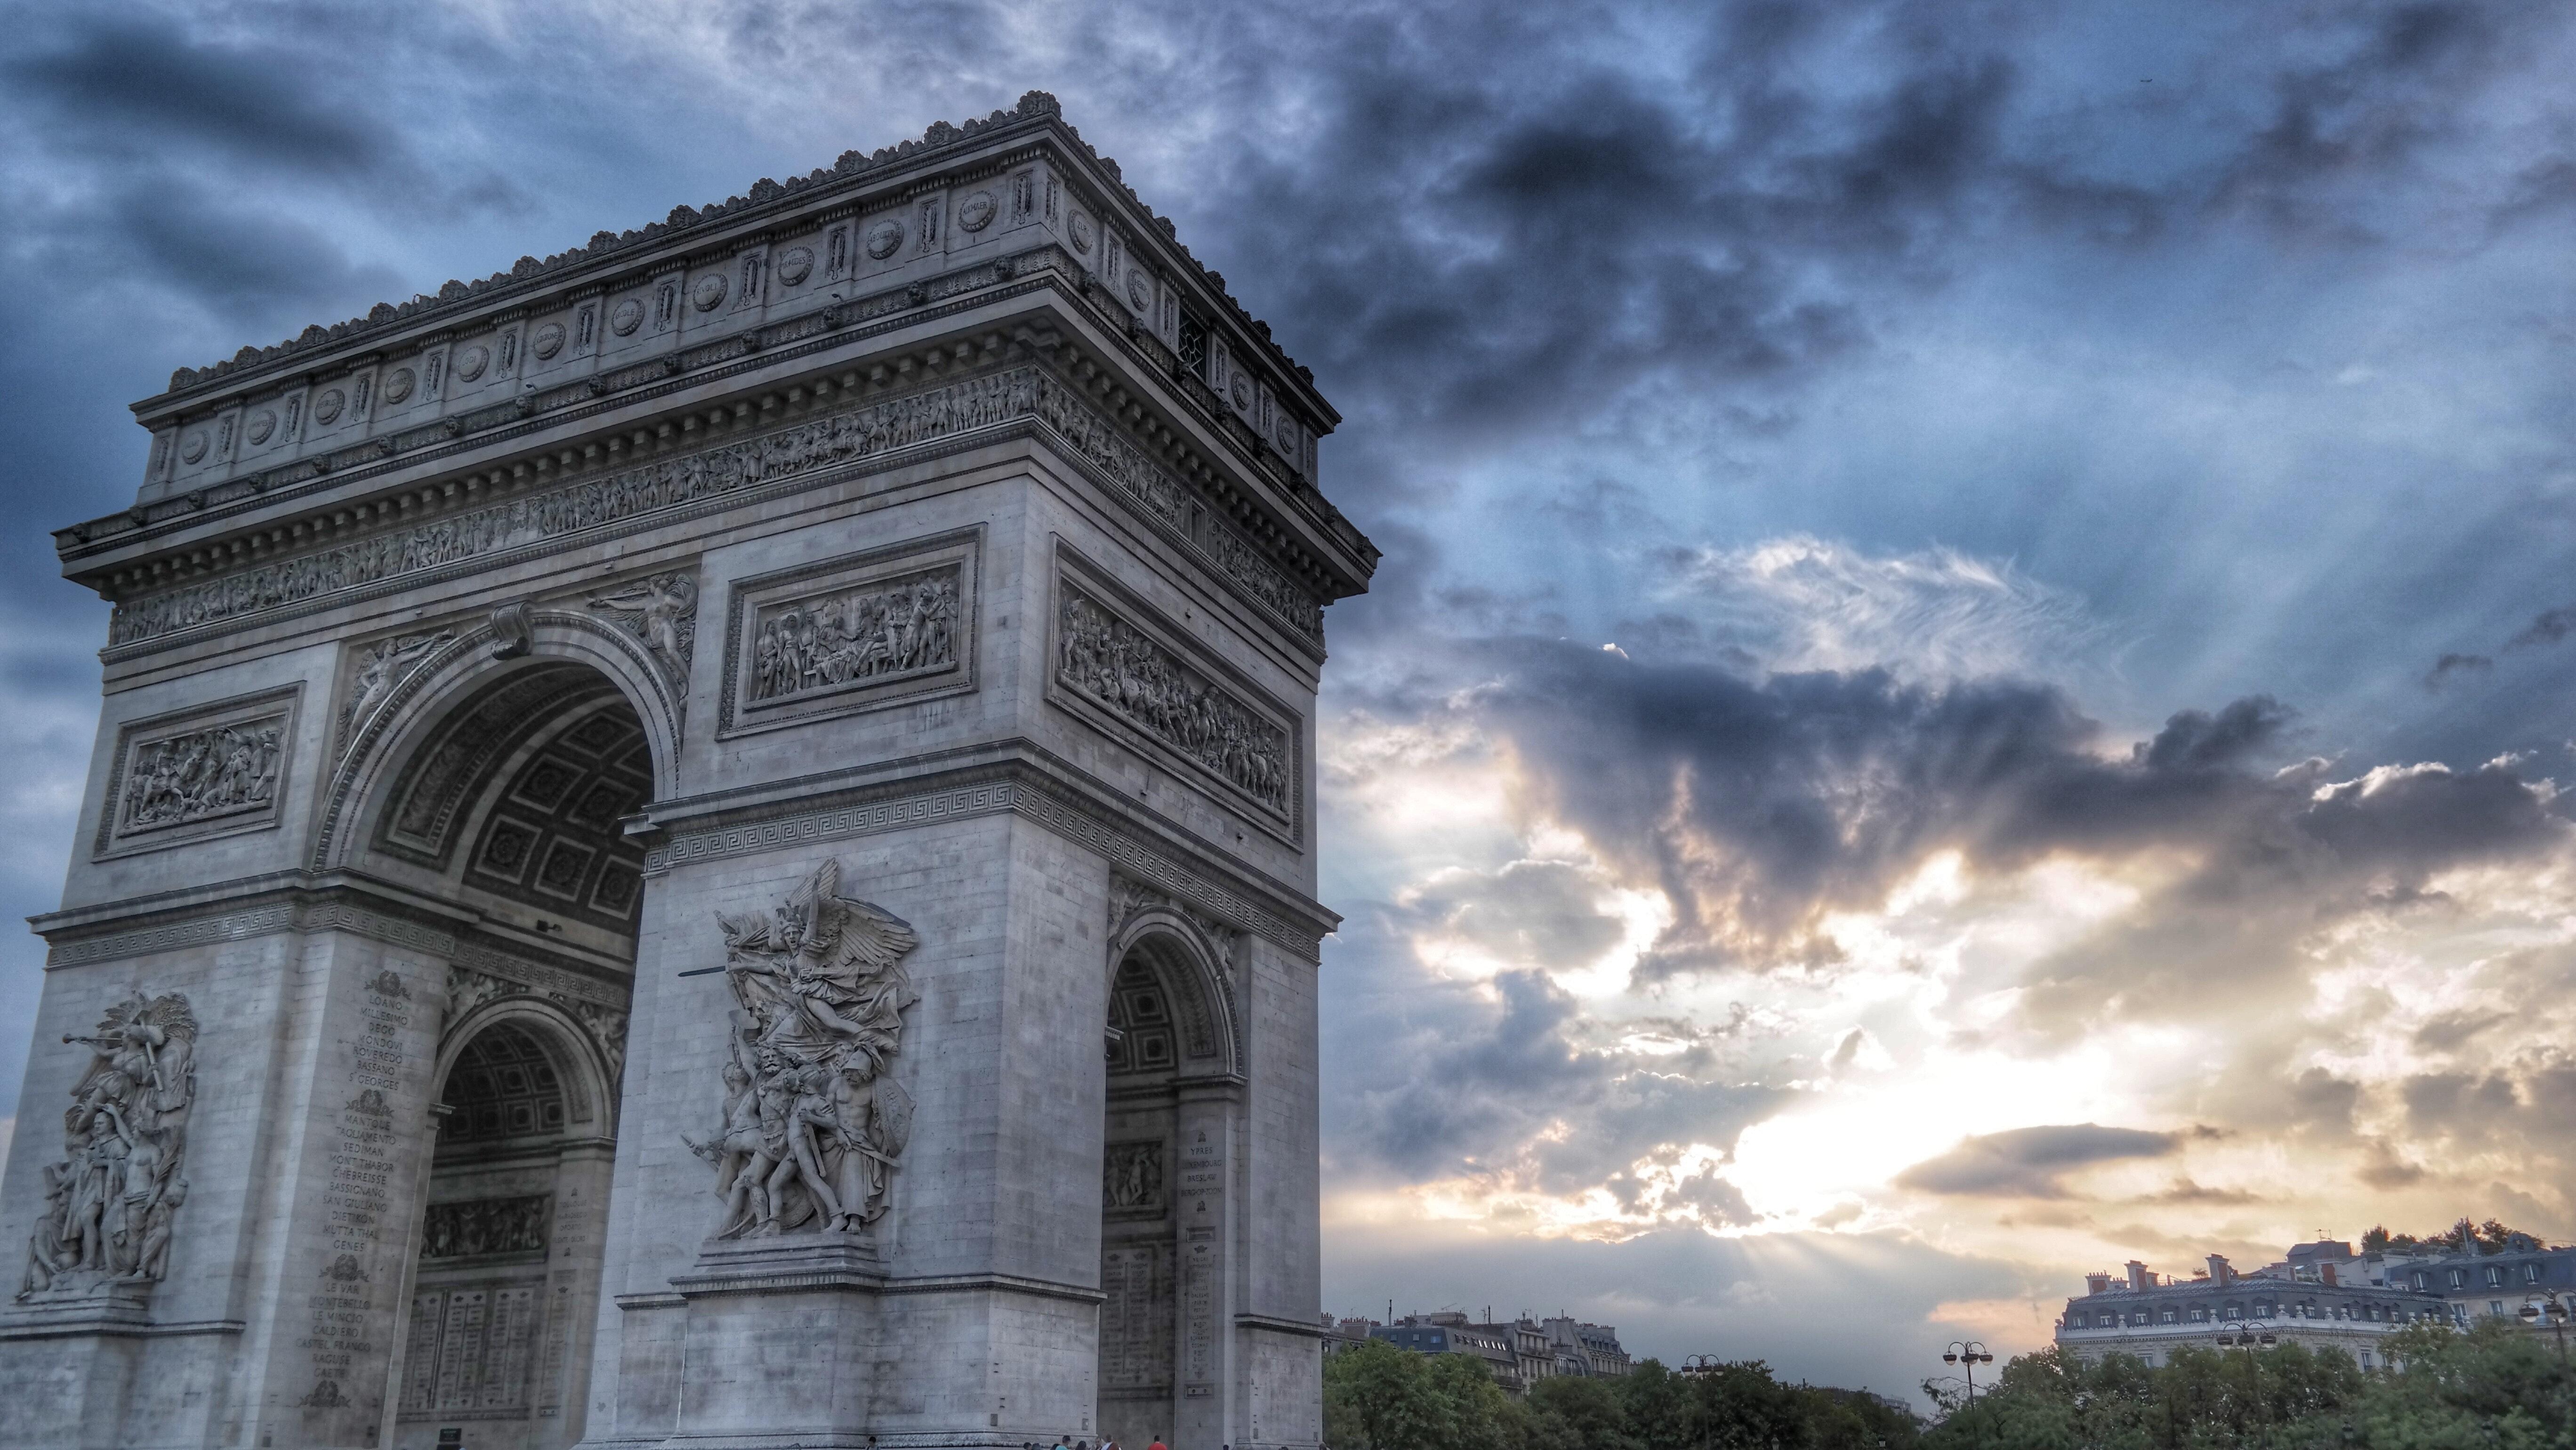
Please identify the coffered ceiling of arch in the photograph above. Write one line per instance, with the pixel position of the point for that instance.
(549, 837)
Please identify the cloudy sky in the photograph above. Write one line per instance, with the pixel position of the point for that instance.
(1971, 671)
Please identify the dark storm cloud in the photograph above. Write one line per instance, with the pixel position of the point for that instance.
(2029, 1162)
(106, 82)
(1759, 806)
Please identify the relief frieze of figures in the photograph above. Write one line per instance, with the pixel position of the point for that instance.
(1126, 671)
(110, 1202)
(1131, 1176)
(474, 1226)
(202, 775)
(671, 483)
(879, 631)
(813, 1124)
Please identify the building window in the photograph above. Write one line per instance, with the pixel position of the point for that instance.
(2531, 1273)
(2419, 1283)
(2459, 1278)
(2200, 1316)
(1194, 346)
(2495, 1306)
(2231, 1312)
(2495, 1276)
(2365, 1359)
(2168, 1316)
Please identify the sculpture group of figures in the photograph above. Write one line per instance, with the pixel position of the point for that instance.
(473, 1226)
(1115, 663)
(813, 1125)
(864, 634)
(109, 1203)
(203, 773)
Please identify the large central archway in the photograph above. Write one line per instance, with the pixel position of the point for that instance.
(503, 797)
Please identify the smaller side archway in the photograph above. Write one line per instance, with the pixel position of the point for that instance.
(505, 1271)
(1173, 1058)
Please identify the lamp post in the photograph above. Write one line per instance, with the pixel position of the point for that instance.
(2252, 1333)
(2553, 1309)
(1968, 1354)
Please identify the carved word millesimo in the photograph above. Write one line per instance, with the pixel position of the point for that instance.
(110, 1202)
(813, 1125)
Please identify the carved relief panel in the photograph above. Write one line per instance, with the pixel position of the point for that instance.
(813, 1124)
(860, 632)
(208, 771)
(111, 1202)
(1144, 684)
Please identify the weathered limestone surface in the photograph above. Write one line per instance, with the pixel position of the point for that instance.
(632, 797)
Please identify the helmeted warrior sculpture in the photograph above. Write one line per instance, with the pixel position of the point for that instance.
(813, 1125)
(109, 1203)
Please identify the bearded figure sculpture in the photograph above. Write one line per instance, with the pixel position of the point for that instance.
(109, 1203)
(813, 1124)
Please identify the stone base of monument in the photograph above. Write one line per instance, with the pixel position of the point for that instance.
(87, 1302)
(801, 1341)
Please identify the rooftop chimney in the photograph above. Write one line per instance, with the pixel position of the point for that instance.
(2097, 1283)
(2139, 1278)
(2219, 1273)
(2328, 1271)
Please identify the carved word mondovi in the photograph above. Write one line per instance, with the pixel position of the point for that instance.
(109, 1203)
(813, 1125)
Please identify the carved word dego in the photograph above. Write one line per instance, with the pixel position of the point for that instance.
(110, 1202)
(813, 1125)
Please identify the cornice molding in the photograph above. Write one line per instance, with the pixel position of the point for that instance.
(944, 156)
(1010, 787)
(345, 906)
(459, 530)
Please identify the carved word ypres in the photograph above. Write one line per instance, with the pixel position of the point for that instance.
(485, 1226)
(673, 483)
(1116, 665)
(110, 1202)
(875, 631)
(813, 1126)
(220, 771)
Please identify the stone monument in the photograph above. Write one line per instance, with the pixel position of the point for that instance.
(706, 842)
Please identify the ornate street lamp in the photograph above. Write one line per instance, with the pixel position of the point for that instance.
(2252, 1333)
(1968, 1354)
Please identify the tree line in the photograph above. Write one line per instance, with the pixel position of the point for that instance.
(1379, 1397)
(2496, 1386)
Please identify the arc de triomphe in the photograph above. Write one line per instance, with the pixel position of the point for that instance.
(632, 795)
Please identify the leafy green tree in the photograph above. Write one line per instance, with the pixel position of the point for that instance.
(1390, 1397)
